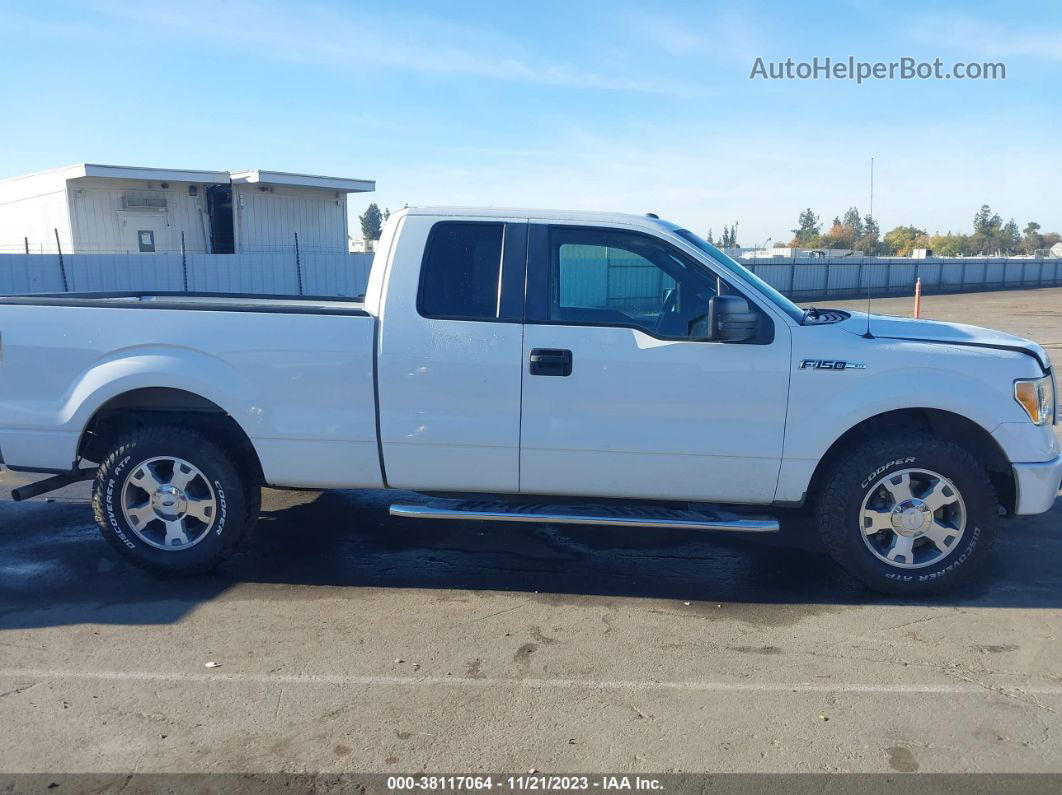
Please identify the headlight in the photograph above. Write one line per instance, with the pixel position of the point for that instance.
(1037, 397)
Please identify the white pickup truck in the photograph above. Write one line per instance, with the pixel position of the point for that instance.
(535, 366)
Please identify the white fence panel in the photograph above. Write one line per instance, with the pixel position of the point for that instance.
(92, 273)
(347, 275)
(29, 273)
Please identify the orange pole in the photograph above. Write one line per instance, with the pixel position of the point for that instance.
(918, 297)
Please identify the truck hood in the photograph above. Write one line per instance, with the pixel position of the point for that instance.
(902, 328)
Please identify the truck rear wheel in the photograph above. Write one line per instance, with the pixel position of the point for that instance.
(912, 514)
(171, 500)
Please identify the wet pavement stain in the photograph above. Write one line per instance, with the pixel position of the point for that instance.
(901, 759)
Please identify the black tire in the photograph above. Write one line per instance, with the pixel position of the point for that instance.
(852, 478)
(230, 517)
(252, 497)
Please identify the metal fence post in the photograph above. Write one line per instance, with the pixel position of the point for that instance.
(62, 266)
(298, 262)
(26, 241)
(184, 262)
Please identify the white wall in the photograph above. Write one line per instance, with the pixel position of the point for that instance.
(266, 221)
(33, 207)
(97, 215)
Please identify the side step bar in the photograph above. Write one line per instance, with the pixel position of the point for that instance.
(614, 516)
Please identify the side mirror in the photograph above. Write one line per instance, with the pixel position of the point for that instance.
(731, 320)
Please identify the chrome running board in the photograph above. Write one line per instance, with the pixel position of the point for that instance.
(591, 514)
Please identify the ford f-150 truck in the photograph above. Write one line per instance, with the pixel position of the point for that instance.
(532, 366)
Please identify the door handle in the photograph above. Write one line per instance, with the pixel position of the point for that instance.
(550, 361)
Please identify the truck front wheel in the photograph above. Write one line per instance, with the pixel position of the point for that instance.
(912, 514)
(171, 500)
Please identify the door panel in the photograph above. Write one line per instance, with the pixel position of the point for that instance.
(639, 415)
(449, 384)
(642, 417)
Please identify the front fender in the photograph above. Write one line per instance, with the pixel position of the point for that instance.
(826, 405)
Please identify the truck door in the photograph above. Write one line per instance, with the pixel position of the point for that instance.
(449, 355)
(620, 396)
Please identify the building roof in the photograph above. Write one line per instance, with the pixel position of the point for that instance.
(302, 180)
(97, 170)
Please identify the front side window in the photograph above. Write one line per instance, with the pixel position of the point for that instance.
(613, 278)
(461, 271)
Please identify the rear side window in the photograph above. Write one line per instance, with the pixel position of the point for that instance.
(461, 274)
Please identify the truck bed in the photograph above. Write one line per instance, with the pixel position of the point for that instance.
(296, 373)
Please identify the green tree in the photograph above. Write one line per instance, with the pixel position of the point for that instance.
(903, 240)
(949, 245)
(870, 241)
(710, 236)
(1031, 240)
(808, 229)
(1009, 238)
(987, 227)
(853, 222)
(371, 223)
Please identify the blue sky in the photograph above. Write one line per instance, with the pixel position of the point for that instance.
(631, 107)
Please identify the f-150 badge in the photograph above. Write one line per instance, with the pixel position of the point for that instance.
(831, 364)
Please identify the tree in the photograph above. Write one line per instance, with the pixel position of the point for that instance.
(1031, 239)
(710, 236)
(987, 227)
(729, 238)
(949, 245)
(807, 232)
(903, 240)
(854, 223)
(371, 223)
(1009, 237)
(869, 242)
(836, 237)
(986, 222)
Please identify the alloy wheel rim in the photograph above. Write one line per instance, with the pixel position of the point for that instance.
(168, 503)
(912, 518)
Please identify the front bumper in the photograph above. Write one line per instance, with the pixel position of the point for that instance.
(1037, 485)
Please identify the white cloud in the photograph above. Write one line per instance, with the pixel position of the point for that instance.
(347, 39)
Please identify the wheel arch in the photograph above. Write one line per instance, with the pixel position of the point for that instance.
(146, 406)
(947, 425)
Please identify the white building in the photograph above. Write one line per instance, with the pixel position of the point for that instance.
(787, 252)
(95, 208)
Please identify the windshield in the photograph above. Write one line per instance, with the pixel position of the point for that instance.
(747, 276)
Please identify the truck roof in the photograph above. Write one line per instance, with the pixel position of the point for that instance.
(630, 219)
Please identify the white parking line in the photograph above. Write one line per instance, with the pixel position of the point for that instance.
(587, 684)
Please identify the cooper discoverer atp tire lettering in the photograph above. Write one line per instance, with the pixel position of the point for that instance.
(172, 501)
(912, 514)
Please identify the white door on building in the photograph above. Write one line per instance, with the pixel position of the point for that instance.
(145, 233)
